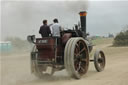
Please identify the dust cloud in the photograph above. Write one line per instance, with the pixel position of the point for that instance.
(16, 70)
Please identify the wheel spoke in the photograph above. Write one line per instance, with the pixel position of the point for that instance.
(102, 63)
(77, 49)
(82, 69)
(79, 43)
(76, 55)
(85, 59)
(81, 50)
(79, 67)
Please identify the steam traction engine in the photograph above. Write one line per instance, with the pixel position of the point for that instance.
(70, 51)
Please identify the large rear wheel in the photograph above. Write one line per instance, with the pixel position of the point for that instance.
(76, 57)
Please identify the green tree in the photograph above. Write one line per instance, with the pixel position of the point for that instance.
(121, 39)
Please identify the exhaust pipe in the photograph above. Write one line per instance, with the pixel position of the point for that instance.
(83, 22)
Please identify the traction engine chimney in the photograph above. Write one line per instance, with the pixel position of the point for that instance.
(83, 21)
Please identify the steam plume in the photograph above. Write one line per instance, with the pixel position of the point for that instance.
(77, 6)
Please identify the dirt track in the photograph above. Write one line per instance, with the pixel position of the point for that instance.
(16, 71)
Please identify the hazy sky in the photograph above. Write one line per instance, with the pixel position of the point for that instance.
(22, 18)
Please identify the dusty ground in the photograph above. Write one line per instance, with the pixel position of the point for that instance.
(16, 70)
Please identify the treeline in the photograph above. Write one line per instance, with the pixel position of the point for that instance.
(121, 39)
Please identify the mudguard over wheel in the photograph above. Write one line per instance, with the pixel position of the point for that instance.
(38, 70)
(99, 60)
(76, 57)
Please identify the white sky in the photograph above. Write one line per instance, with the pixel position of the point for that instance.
(23, 18)
(63, 0)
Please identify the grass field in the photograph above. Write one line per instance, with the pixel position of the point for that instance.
(100, 41)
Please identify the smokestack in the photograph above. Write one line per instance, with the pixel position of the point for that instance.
(83, 21)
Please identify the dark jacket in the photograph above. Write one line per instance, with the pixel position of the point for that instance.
(45, 31)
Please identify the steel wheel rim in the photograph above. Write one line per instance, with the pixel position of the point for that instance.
(80, 58)
(101, 60)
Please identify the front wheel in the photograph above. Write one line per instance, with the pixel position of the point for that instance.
(99, 60)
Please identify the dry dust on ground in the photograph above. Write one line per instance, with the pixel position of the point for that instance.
(15, 70)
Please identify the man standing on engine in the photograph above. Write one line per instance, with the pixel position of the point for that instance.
(56, 28)
(45, 29)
